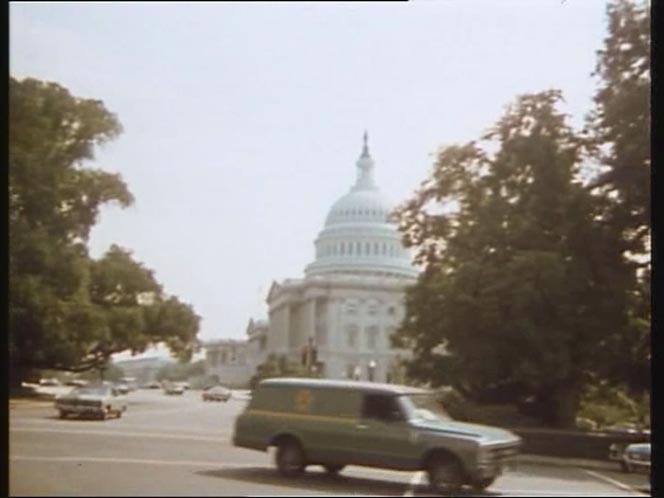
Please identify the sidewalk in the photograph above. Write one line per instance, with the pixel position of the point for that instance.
(568, 462)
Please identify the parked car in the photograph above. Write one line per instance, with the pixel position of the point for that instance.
(217, 393)
(636, 458)
(339, 423)
(76, 383)
(122, 388)
(632, 457)
(49, 382)
(185, 385)
(172, 388)
(152, 385)
(100, 401)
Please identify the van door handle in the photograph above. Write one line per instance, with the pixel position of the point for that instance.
(362, 426)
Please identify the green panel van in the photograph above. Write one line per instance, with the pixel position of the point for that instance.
(339, 423)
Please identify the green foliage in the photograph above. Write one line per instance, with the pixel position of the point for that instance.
(66, 311)
(620, 123)
(620, 140)
(279, 366)
(531, 285)
(109, 372)
(521, 286)
(607, 404)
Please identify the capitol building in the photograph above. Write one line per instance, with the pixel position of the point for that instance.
(349, 303)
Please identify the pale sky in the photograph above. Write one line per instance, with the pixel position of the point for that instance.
(242, 121)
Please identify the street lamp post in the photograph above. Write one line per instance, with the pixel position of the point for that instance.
(372, 369)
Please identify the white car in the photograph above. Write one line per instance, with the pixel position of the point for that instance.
(173, 389)
(217, 393)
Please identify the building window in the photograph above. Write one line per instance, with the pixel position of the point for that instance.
(372, 337)
(223, 357)
(376, 248)
(391, 310)
(343, 249)
(351, 336)
(367, 248)
(350, 248)
(358, 246)
(351, 308)
(384, 249)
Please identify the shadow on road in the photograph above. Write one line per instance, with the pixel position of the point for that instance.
(324, 482)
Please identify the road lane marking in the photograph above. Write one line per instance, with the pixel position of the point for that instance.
(416, 480)
(125, 434)
(195, 463)
(614, 482)
(120, 424)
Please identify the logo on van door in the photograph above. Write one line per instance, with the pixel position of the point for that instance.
(303, 400)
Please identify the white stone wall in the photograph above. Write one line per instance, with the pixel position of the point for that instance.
(329, 308)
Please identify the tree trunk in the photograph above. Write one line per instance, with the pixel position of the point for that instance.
(564, 406)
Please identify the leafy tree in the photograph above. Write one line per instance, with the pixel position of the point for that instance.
(67, 312)
(620, 140)
(522, 291)
(620, 123)
(135, 311)
(53, 203)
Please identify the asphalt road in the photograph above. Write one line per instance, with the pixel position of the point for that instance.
(181, 446)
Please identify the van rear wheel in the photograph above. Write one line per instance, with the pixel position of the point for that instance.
(290, 458)
(333, 469)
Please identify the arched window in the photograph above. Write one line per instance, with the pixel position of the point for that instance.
(372, 337)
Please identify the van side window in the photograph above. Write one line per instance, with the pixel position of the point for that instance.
(381, 407)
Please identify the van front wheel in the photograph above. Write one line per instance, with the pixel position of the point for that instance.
(445, 474)
(482, 484)
(290, 458)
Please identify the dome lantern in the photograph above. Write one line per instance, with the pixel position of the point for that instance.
(365, 166)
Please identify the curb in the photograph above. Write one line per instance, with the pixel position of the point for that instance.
(567, 462)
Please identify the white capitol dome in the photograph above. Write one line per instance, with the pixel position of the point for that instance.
(357, 238)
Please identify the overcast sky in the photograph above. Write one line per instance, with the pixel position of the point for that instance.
(242, 121)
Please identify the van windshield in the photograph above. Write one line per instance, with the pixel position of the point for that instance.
(424, 406)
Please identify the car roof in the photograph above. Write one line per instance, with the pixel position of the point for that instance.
(375, 387)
